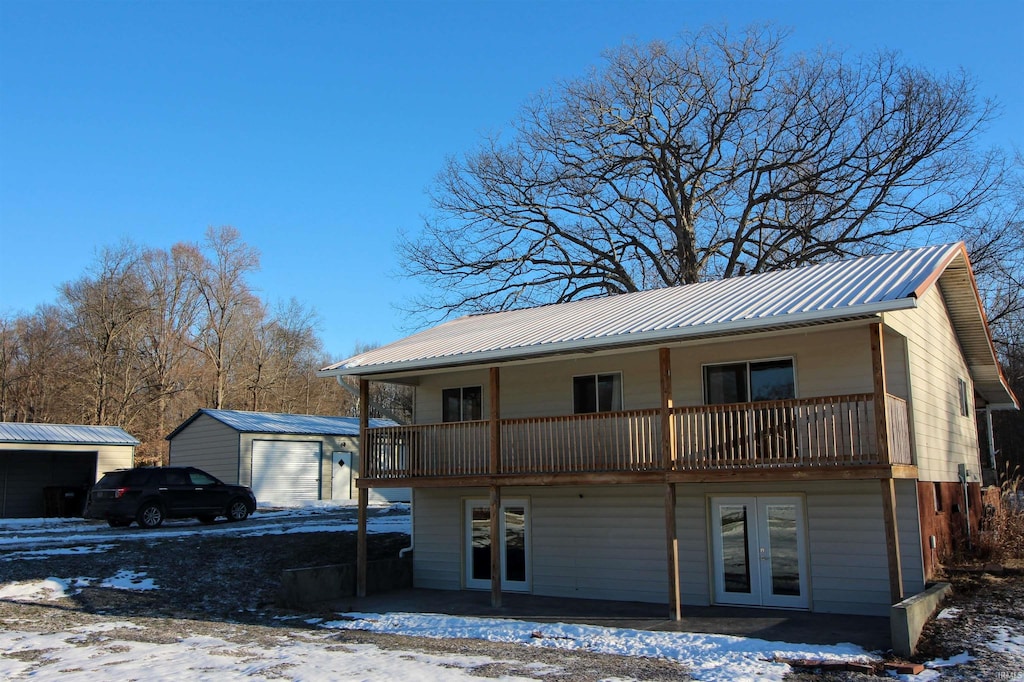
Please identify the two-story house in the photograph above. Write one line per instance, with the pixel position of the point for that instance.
(787, 439)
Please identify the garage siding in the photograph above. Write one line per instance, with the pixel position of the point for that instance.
(208, 445)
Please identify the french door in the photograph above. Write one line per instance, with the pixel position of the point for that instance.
(514, 536)
(758, 551)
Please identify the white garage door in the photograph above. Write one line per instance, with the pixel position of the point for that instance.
(285, 472)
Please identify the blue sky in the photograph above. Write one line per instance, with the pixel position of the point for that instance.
(315, 127)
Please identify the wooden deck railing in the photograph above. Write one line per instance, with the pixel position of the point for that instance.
(817, 432)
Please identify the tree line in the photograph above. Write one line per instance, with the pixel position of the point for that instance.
(147, 336)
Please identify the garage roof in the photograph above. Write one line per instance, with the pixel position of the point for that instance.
(21, 432)
(271, 422)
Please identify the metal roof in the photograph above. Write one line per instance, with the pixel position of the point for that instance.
(855, 288)
(270, 422)
(72, 434)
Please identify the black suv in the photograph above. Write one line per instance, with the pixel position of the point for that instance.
(148, 495)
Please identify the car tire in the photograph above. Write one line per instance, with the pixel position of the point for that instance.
(238, 510)
(150, 515)
(118, 523)
(207, 520)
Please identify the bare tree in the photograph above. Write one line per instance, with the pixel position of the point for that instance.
(226, 299)
(710, 156)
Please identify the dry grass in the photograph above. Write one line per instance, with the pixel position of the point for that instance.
(1002, 537)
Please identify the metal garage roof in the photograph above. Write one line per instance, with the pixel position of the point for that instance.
(20, 432)
(270, 422)
(849, 289)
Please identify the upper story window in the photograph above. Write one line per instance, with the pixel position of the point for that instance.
(596, 393)
(462, 404)
(965, 399)
(744, 382)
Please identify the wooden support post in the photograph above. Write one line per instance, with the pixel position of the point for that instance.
(364, 493)
(881, 391)
(496, 543)
(672, 543)
(892, 540)
(494, 421)
(668, 454)
(364, 496)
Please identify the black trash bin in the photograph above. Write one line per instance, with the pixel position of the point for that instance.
(63, 500)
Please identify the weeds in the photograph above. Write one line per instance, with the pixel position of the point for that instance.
(1002, 534)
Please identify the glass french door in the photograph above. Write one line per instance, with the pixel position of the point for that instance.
(758, 551)
(515, 545)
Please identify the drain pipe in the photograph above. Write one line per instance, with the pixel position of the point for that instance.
(964, 475)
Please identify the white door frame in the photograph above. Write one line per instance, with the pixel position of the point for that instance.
(760, 556)
(485, 584)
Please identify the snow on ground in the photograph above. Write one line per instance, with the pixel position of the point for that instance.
(30, 535)
(713, 658)
(311, 658)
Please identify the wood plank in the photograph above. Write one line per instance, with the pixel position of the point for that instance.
(496, 543)
(881, 390)
(364, 497)
(892, 540)
(672, 545)
(665, 413)
(494, 419)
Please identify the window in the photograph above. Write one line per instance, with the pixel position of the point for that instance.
(937, 492)
(965, 404)
(462, 404)
(743, 382)
(596, 393)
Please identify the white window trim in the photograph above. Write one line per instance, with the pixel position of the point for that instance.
(572, 390)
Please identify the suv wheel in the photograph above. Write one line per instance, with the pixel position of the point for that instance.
(238, 510)
(150, 515)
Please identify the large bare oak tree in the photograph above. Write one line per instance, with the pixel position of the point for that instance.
(711, 156)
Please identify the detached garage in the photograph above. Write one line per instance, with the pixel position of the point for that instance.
(285, 458)
(46, 469)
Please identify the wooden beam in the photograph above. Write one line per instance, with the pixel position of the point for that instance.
(672, 544)
(364, 496)
(881, 390)
(494, 419)
(807, 473)
(364, 493)
(892, 540)
(496, 543)
(364, 420)
(668, 454)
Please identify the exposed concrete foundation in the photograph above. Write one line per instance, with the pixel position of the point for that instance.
(301, 587)
(908, 618)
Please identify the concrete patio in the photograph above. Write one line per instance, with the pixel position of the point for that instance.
(870, 632)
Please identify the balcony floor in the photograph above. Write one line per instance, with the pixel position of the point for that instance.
(870, 632)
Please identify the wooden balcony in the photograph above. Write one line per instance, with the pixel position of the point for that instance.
(816, 434)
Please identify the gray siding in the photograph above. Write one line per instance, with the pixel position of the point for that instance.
(608, 542)
(210, 445)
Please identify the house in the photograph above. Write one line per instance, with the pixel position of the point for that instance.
(789, 439)
(46, 469)
(284, 458)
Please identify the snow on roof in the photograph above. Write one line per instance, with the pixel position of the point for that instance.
(271, 422)
(848, 289)
(76, 434)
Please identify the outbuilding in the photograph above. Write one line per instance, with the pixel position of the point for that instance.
(46, 469)
(285, 458)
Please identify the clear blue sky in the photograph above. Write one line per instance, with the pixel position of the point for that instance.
(315, 127)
